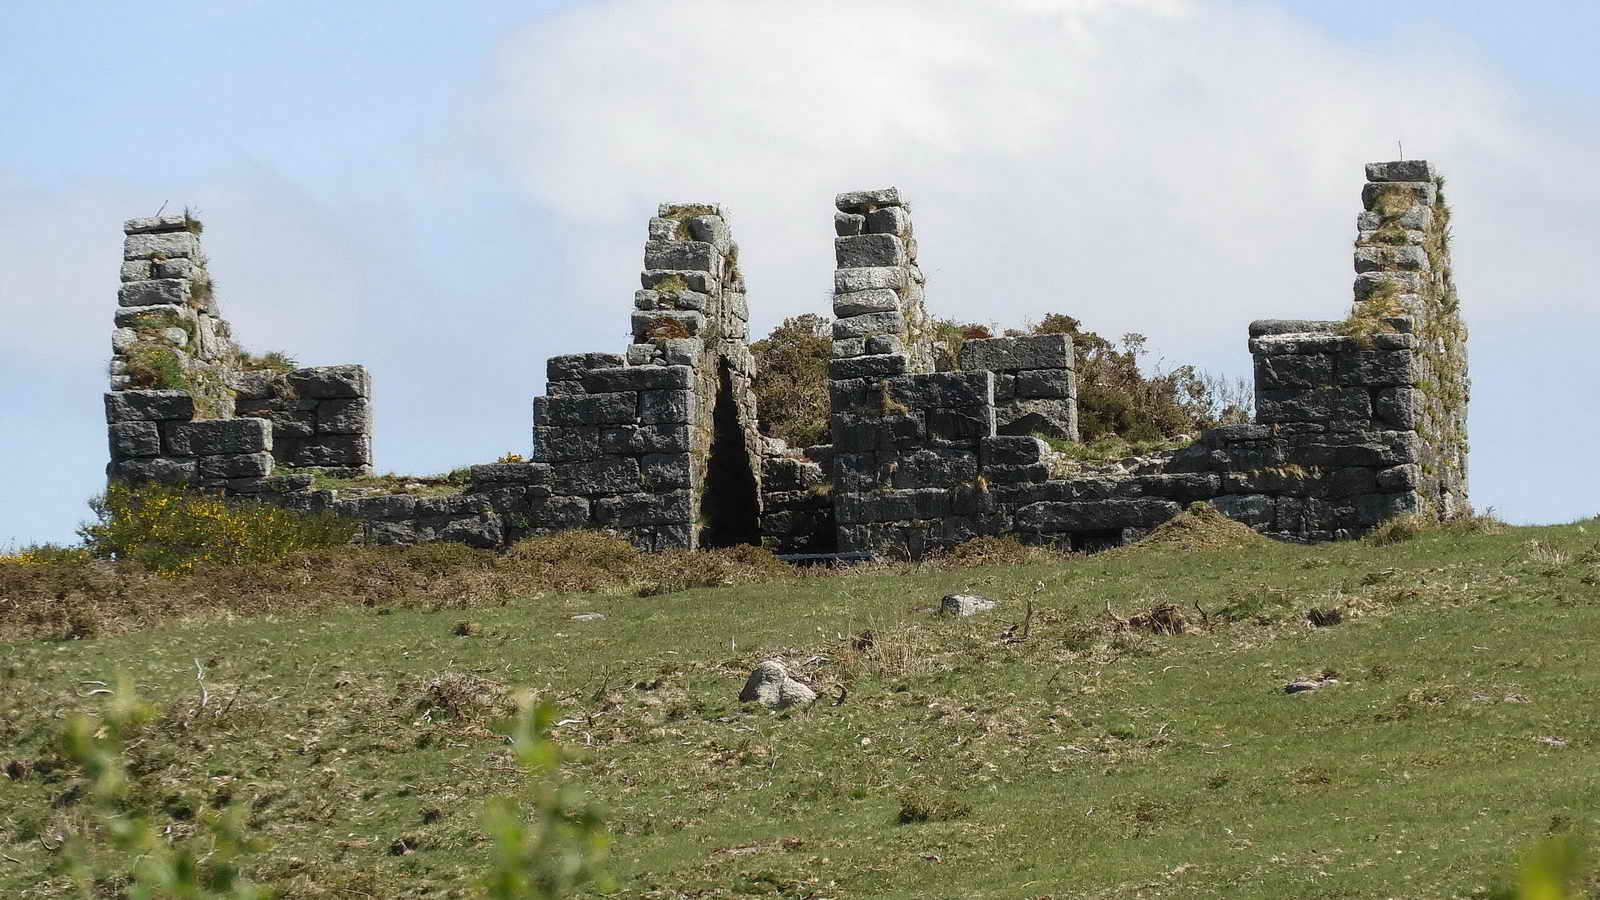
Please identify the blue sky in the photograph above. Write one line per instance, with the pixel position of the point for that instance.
(452, 194)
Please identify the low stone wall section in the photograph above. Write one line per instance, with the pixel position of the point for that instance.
(321, 417)
(1034, 387)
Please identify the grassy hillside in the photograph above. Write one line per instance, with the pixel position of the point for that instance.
(1095, 758)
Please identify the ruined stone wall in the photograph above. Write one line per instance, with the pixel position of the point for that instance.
(321, 417)
(184, 410)
(1357, 420)
(797, 498)
(1034, 387)
(1402, 260)
(880, 325)
(169, 334)
(1344, 436)
(661, 443)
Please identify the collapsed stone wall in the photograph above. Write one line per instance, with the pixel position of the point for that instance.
(1402, 260)
(1034, 387)
(184, 406)
(661, 443)
(169, 333)
(321, 417)
(1357, 420)
(880, 324)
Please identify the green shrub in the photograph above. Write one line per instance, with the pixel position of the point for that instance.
(1116, 398)
(271, 361)
(791, 383)
(172, 530)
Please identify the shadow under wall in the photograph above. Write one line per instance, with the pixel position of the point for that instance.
(730, 507)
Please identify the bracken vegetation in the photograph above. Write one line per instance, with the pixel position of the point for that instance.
(1115, 397)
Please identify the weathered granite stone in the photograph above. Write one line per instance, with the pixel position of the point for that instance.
(135, 270)
(869, 324)
(1377, 368)
(621, 408)
(1056, 418)
(671, 323)
(857, 303)
(1044, 351)
(889, 220)
(156, 292)
(661, 471)
(560, 512)
(1313, 404)
(666, 407)
(1401, 170)
(637, 439)
(572, 366)
(130, 439)
(173, 268)
(1098, 515)
(1044, 383)
(159, 470)
(637, 378)
(165, 245)
(628, 509)
(164, 222)
(556, 443)
(344, 416)
(771, 686)
(1293, 371)
(875, 366)
(209, 437)
(868, 250)
(326, 382)
(1398, 407)
(517, 473)
(863, 201)
(849, 281)
(610, 475)
(963, 605)
(846, 224)
(236, 465)
(148, 406)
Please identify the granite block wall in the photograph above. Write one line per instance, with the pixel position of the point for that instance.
(185, 410)
(660, 443)
(1357, 420)
(1034, 387)
(321, 416)
(880, 324)
(169, 333)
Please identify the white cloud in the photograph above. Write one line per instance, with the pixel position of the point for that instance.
(1162, 166)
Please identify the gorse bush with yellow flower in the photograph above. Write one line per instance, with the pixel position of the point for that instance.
(172, 530)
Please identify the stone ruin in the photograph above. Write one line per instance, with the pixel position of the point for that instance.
(1357, 420)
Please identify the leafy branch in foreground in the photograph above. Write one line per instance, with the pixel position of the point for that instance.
(157, 868)
(561, 844)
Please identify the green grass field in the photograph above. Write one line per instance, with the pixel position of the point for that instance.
(1091, 759)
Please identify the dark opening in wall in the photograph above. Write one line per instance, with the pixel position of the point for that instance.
(729, 508)
(1096, 541)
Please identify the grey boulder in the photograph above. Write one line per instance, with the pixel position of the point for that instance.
(771, 686)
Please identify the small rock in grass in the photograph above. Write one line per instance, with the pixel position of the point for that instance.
(1308, 684)
(771, 686)
(588, 617)
(467, 629)
(964, 605)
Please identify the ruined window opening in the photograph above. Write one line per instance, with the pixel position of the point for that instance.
(729, 509)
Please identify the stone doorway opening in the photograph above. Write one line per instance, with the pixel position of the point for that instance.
(730, 508)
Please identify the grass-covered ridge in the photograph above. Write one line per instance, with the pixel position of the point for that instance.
(1095, 758)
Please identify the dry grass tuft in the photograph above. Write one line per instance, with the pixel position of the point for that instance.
(1201, 527)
